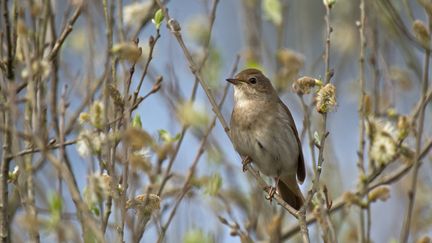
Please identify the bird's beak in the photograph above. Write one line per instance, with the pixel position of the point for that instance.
(233, 80)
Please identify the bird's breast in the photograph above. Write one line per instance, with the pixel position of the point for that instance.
(260, 132)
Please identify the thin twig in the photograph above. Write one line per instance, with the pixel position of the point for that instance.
(66, 31)
(37, 150)
(74, 117)
(174, 26)
(323, 133)
(339, 203)
(200, 152)
(152, 44)
(166, 176)
(362, 116)
(10, 69)
(4, 192)
(413, 189)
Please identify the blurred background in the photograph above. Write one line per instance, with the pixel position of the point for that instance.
(192, 175)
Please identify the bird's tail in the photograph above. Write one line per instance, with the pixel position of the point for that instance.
(290, 192)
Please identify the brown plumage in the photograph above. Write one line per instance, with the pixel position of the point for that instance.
(263, 129)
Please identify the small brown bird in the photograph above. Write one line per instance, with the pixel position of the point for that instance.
(263, 131)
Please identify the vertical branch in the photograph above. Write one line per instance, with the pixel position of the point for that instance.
(212, 18)
(10, 72)
(252, 15)
(7, 143)
(4, 192)
(419, 134)
(360, 152)
(323, 135)
(110, 150)
(328, 75)
(54, 73)
(192, 168)
(175, 28)
(362, 142)
(120, 20)
(374, 62)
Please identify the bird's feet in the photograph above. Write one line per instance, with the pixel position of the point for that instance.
(271, 192)
(247, 160)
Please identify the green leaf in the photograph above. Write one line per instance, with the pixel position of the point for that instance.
(253, 64)
(158, 18)
(197, 236)
(192, 114)
(273, 11)
(212, 67)
(164, 135)
(214, 185)
(177, 137)
(136, 122)
(56, 205)
(95, 210)
(198, 29)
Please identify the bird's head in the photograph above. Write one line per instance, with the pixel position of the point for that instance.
(252, 84)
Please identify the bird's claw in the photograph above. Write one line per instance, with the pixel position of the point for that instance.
(247, 160)
(271, 192)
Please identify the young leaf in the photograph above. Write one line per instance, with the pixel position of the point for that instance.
(158, 18)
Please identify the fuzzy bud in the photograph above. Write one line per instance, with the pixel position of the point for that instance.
(326, 98)
(367, 105)
(127, 51)
(424, 239)
(403, 126)
(380, 193)
(421, 32)
(145, 203)
(350, 198)
(137, 138)
(115, 95)
(305, 84)
(96, 113)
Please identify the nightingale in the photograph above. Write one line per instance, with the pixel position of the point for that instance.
(263, 132)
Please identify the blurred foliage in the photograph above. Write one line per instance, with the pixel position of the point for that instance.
(74, 117)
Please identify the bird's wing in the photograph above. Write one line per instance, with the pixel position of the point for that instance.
(301, 170)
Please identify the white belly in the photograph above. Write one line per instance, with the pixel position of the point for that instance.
(273, 147)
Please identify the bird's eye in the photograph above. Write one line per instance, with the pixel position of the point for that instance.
(253, 80)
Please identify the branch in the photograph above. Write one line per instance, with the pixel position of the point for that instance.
(339, 203)
(364, 237)
(413, 189)
(175, 28)
(9, 71)
(192, 98)
(200, 152)
(152, 43)
(83, 212)
(37, 150)
(66, 31)
(316, 181)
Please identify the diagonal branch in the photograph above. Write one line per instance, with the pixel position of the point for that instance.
(66, 31)
(175, 28)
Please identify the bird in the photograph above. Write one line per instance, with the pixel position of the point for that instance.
(263, 131)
